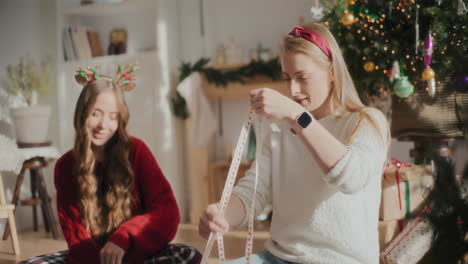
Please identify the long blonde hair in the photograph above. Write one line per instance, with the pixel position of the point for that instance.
(103, 206)
(344, 97)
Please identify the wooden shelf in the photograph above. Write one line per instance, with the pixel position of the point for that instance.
(235, 91)
(126, 7)
(110, 58)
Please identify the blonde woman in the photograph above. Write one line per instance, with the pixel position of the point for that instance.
(114, 202)
(322, 171)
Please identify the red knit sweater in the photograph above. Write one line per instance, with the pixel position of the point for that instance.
(155, 211)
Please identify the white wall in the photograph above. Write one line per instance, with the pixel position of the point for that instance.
(27, 28)
(250, 22)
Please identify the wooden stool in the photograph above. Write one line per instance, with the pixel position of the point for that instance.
(39, 195)
(7, 211)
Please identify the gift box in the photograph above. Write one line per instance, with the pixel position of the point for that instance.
(404, 189)
(405, 171)
(388, 230)
(410, 245)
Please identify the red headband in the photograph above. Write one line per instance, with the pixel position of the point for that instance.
(312, 37)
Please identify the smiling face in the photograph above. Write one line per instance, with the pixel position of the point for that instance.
(103, 119)
(308, 82)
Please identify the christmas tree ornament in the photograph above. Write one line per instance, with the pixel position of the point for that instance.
(395, 73)
(428, 74)
(369, 66)
(316, 12)
(347, 19)
(388, 72)
(402, 87)
(461, 8)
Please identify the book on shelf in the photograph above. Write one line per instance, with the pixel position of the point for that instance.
(83, 38)
(80, 43)
(94, 43)
(68, 49)
(77, 43)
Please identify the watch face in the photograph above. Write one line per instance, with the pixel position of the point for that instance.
(304, 120)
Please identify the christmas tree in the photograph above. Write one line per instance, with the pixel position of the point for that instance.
(375, 34)
(447, 212)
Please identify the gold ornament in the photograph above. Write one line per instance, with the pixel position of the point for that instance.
(428, 74)
(347, 19)
(369, 66)
(351, 2)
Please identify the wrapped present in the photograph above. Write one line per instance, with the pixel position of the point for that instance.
(410, 245)
(404, 189)
(397, 170)
(388, 230)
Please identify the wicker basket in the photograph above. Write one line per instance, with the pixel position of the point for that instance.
(444, 115)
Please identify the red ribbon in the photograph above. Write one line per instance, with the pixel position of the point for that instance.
(398, 164)
(313, 37)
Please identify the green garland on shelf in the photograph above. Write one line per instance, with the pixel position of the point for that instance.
(221, 78)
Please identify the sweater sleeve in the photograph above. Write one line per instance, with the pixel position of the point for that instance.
(245, 187)
(81, 247)
(364, 158)
(150, 231)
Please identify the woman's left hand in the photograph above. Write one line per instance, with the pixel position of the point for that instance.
(274, 105)
(111, 254)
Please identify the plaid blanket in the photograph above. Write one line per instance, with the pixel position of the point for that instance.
(171, 254)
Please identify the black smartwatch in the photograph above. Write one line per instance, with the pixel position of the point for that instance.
(302, 121)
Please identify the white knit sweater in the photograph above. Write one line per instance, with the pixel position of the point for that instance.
(320, 218)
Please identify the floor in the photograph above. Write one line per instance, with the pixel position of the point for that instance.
(37, 243)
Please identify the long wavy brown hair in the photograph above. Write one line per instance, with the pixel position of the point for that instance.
(103, 205)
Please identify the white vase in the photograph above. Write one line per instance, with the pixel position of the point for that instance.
(31, 123)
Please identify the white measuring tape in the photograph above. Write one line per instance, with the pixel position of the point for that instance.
(233, 169)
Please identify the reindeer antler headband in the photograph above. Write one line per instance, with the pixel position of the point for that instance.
(124, 78)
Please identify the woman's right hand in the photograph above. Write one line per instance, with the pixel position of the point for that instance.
(212, 221)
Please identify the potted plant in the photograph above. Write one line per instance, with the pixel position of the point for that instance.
(24, 83)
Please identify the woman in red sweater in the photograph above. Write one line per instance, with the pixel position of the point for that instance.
(114, 203)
